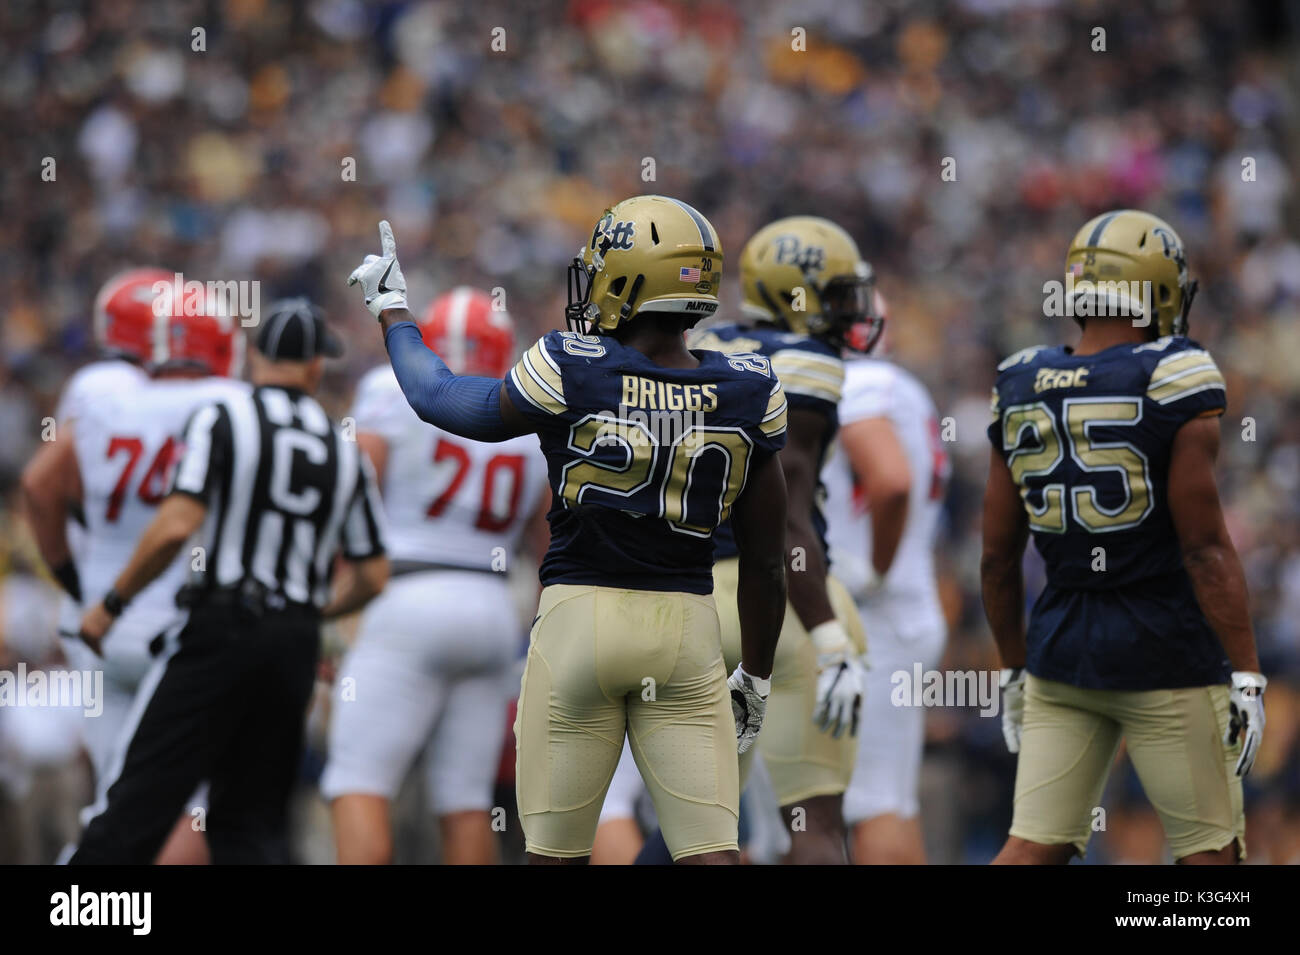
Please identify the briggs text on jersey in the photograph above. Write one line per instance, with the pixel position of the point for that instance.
(649, 394)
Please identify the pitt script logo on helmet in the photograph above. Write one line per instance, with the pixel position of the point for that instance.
(646, 254)
(1131, 249)
(805, 274)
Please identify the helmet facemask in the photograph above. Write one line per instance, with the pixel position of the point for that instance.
(847, 300)
(581, 279)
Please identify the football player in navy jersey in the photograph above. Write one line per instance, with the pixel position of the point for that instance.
(649, 448)
(1105, 452)
(805, 286)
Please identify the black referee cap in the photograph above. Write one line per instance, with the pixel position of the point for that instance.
(294, 330)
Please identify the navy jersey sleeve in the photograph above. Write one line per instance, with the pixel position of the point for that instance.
(767, 408)
(536, 383)
(770, 433)
(1007, 368)
(809, 378)
(995, 426)
(1187, 384)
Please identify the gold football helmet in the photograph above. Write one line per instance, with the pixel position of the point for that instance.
(1130, 246)
(646, 254)
(806, 275)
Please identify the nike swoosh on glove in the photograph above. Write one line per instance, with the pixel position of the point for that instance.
(380, 276)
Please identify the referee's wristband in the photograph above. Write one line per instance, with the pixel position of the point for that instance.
(113, 603)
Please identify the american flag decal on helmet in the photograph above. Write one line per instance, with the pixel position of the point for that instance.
(689, 275)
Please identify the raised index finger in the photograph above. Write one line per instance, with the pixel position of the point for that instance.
(387, 244)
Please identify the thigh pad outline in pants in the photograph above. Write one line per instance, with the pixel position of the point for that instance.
(1067, 747)
(1175, 740)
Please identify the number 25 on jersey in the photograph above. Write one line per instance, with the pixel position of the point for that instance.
(1041, 440)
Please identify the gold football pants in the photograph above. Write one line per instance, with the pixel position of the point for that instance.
(603, 662)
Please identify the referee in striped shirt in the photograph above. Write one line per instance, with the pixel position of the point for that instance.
(274, 492)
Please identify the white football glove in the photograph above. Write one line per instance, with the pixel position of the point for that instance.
(841, 680)
(380, 276)
(1246, 717)
(1013, 705)
(748, 705)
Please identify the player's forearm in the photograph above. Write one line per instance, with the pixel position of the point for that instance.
(1220, 586)
(888, 518)
(48, 520)
(158, 547)
(462, 404)
(806, 566)
(47, 515)
(760, 598)
(394, 316)
(365, 582)
(1003, 587)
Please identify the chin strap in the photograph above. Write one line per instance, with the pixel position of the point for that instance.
(1192, 288)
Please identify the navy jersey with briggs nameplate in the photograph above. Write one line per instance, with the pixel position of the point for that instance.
(1088, 439)
(812, 375)
(644, 461)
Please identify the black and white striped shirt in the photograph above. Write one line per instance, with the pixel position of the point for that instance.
(285, 492)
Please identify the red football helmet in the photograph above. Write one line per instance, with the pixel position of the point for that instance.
(125, 324)
(211, 343)
(472, 337)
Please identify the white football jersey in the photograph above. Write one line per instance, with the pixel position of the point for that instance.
(880, 389)
(448, 500)
(86, 386)
(90, 382)
(128, 443)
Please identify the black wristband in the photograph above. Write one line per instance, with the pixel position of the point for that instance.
(114, 603)
(68, 578)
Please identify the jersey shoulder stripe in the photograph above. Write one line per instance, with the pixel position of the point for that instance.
(773, 421)
(537, 377)
(809, 374)
(1182, 375)
(1022, 357)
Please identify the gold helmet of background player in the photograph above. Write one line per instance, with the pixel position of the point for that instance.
(805, 274)
(646, 254)
(1130, 246)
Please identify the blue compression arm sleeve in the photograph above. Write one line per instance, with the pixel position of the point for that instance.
(462, 404)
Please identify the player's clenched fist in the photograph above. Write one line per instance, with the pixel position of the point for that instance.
(748, 705)
(1246, 717)
(1012, 682)
(380, 277)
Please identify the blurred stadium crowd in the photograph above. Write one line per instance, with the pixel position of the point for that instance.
(230, 162)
